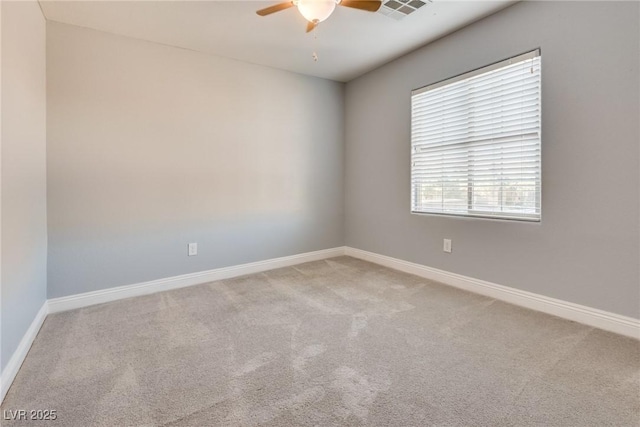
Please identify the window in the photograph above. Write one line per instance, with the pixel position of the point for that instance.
(475, 142)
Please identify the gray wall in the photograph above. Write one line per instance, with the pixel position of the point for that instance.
(585, 250)
(24, 233)
(152, 147)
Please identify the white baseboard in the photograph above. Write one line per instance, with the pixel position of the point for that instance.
(622, 325)
(13, 366)
(106, 295)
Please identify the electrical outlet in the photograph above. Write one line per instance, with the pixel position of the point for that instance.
(447, 245)
(192, 249)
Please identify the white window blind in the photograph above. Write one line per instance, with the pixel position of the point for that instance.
(476, 142)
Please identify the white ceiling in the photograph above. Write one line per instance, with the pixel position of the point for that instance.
(348, 44)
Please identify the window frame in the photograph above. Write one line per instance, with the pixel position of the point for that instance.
(471, 212)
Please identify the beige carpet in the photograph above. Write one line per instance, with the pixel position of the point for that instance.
(339, 342)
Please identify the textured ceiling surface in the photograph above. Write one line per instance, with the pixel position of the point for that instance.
(348, 44)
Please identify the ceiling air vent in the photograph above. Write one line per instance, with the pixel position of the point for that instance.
(398, 9)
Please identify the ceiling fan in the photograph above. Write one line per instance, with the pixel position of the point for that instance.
(316, 11)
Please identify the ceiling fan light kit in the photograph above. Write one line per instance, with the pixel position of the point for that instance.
(316, 11)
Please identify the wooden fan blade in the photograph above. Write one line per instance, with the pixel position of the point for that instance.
(311, 26)
(275, 8)
(368, 5)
